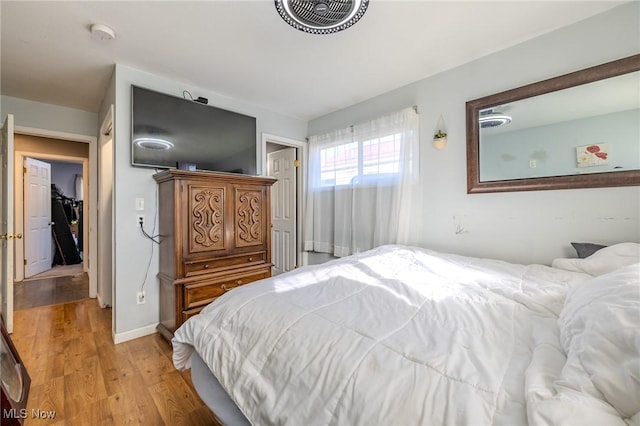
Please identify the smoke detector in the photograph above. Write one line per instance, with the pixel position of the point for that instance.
(103, 32)
(493, 118)
(321, 16)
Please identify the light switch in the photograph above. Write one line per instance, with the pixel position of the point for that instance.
(139, 204)
(532, 164)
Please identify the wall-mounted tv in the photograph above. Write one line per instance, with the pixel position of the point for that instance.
(167, 130)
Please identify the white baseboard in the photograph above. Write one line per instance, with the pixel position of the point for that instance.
(134, 334)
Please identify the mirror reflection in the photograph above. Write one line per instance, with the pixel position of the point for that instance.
(564, 132)
(577, 130)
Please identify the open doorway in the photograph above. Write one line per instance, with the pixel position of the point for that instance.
(67, 276)
(284, 160)
(53, 217)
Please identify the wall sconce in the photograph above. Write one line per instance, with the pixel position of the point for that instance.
(440, 136)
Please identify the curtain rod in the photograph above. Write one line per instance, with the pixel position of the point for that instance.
(415, 108)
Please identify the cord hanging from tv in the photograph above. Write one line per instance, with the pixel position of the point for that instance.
(168, 131)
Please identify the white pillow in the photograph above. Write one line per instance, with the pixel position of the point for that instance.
(603, 261)
(600, 333)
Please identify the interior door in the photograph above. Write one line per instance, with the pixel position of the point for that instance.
(6, 222)
(281, 165)
(37, 217)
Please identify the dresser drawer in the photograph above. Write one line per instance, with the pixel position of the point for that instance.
(202, 293)
(191, 312)
(208, 265)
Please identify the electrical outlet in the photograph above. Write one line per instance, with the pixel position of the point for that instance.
(141, 298)
(139, 219)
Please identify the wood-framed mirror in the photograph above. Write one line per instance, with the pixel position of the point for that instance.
(579, 130)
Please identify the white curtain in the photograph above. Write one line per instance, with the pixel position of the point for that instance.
(361, 183)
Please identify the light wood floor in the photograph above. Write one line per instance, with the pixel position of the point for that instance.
(79, 373)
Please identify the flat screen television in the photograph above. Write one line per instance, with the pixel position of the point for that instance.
(168, 131)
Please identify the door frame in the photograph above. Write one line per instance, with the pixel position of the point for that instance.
(104, 273)
(89, 212)
(287, 166)
(18, 197)
(301, 155)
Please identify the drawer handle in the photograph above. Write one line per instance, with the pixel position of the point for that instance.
(231, 287)
(206, 266)
(250, 259)
(224, 286)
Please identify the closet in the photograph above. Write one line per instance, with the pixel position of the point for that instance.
(66, 228)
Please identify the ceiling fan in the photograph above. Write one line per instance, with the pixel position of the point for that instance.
(493, 118)
(321, 16)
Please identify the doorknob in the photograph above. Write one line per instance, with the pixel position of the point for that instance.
(51, 223)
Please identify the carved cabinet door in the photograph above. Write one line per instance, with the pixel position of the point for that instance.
(205, 217)
(250, 216)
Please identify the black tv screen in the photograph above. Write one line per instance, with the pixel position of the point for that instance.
(167, 130)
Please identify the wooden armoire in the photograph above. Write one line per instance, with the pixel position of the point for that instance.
(215, 235)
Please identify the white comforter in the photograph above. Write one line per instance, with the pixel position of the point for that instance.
(394, 336)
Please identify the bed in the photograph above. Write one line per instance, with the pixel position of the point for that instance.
(405, 335)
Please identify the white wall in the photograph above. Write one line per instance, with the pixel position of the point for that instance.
(63, 175)
(49, 117)
(518, 226)
(133, 251)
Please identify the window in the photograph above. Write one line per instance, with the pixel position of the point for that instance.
(355, 162)
(362, 180)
